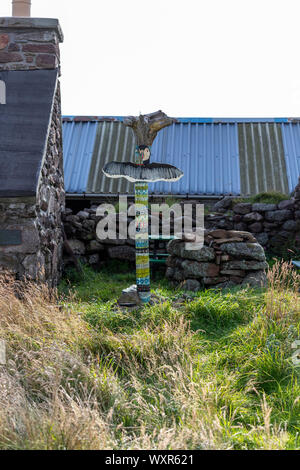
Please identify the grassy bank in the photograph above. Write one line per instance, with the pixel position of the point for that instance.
(209, 371)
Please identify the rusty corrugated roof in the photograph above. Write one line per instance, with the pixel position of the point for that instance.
(291, 143)
(262, 159)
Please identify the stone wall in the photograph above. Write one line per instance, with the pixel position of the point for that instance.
(228, 258)
(19, 214)
(275, 226)
(29, 45)
(51, 200)
(80, 228)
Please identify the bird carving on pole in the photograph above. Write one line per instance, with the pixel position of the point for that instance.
(141, 172)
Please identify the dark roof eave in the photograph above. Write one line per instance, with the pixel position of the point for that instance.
(7, 194)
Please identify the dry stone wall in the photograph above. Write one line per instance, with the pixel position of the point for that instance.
(80, 228)
(275, 226)
(228, 257)
(18, 214)
(51, 201)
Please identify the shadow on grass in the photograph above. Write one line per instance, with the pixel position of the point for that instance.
(90, 285)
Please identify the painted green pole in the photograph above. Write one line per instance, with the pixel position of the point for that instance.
(142, 242)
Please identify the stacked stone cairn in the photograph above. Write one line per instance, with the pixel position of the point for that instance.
(227, 258)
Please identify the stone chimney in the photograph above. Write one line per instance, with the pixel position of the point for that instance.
(21, 7)
(32, 196)
(29, 43)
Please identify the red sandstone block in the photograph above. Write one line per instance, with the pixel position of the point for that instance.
(4, 40)
(10, 57)
(46, 48)
(212, 270)
(46, 61)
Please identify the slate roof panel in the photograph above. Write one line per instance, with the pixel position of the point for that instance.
(24, 122)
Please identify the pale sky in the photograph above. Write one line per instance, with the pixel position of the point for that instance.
(204, 58)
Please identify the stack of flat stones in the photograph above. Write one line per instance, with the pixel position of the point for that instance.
(226, 259)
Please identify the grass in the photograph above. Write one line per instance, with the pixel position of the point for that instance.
(211, 370)
(287, 251)
(271, 197)
(170, 201)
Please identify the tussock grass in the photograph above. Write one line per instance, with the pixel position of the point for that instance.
(270, 197)
(213, 371)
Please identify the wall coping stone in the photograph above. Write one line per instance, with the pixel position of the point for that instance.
(19, 199)
(17, 23)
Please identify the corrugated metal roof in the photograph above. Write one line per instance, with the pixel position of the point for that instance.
(211, 149)
(199, 120)
(262, 161)
(114, 141)
(217, 155)
(206, 153)
(78, 145)
(291, 143)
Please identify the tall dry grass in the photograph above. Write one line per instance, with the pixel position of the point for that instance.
(282, 296)
(43, 402)
(60, 390)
